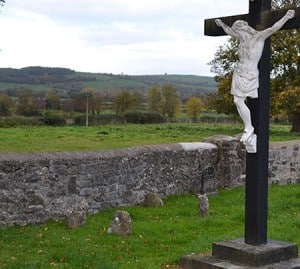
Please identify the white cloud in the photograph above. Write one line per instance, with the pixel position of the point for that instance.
(130, 36)
(31, 39)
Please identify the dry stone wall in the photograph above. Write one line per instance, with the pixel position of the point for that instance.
(37, 187)
(284, 164)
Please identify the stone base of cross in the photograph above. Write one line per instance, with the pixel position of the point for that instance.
(236, 254)
(255, 249)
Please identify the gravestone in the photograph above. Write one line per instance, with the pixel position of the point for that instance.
(255, 250)
(153, 200)
(203, 205)
(207, 180)
(76, 219)
(121, 224)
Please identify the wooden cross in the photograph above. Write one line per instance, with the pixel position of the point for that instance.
(260, 17)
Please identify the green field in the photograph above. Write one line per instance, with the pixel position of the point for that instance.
(160, 235)
(53, 139)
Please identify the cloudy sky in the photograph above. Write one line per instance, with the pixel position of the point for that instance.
(112, 36)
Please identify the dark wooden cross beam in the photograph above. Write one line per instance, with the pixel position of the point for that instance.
(268, 18)
(256, 203)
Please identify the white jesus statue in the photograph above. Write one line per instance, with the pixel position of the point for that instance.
(245, 80)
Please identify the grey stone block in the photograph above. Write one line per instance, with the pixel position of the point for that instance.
(237, 251)
(235, 254)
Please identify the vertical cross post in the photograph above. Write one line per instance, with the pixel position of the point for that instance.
(259, 17)
(256, 203)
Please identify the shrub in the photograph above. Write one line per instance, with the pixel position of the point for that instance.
(95, 120)
(54, 118)
(142, 118)
(6, 122)
(154, 117)
(107, 119)
(129, 117)
(134, 117)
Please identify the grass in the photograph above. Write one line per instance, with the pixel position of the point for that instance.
(160, 235)
(57, 139)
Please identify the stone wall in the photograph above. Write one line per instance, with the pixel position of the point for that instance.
(284, 162)
(38, 187)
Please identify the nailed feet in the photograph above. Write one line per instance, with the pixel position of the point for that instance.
(249, 140)
(247, 134)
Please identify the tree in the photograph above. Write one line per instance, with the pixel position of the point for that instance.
(96, 103)
(194, 105)
(171, 103)
(6, 105)
(285, 66)
(289, 102)
(82, 101)
(52, 100)
(78, 103)
(126, 101)
(154, 100)
(164, 100)
(222, 101)
(26, 103)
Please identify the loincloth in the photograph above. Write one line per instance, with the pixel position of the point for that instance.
(245, 81)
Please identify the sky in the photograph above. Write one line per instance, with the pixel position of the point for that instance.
(133, 37)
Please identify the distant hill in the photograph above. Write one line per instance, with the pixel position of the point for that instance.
(69, 82)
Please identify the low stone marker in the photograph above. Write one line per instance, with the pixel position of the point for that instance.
(153, 200)
(121, 224)
(203, 205)
(76, 219)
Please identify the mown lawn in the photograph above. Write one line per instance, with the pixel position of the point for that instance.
(160, 235)
(52, 139)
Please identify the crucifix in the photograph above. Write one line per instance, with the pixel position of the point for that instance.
(259, 23)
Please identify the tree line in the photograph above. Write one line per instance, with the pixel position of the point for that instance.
(163, 100)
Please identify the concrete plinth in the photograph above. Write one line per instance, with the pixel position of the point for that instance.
(235, 254)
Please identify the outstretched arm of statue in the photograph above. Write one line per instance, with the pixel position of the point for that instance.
(228, 30)
(269, 31)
